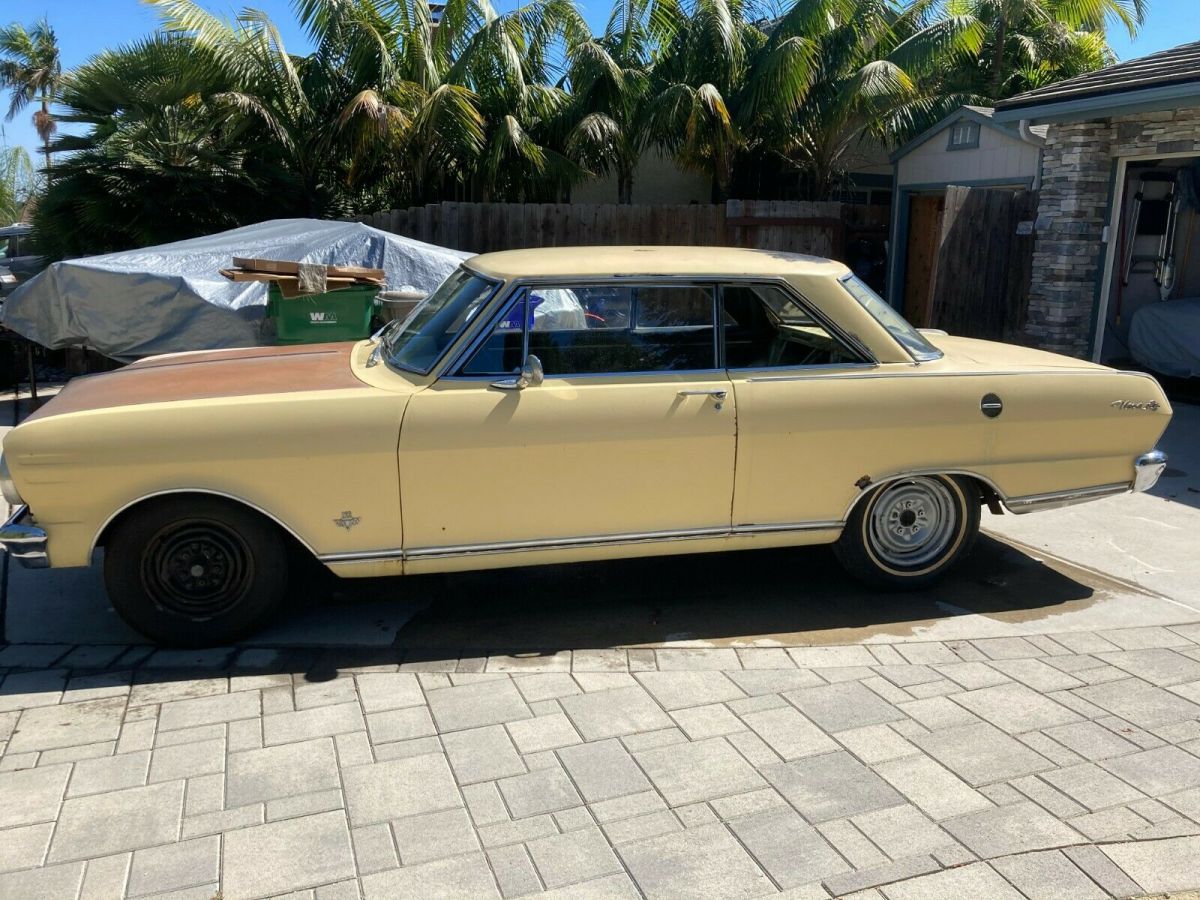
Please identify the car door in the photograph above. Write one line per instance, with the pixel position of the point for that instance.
(805, 429)
(629, 436)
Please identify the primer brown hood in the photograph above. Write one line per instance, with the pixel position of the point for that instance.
(201, 376)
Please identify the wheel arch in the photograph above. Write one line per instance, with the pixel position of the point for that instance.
(103, 532)
(989, 493)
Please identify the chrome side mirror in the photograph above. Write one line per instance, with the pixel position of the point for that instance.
(531, 376)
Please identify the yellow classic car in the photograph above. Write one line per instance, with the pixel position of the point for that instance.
(559, 405)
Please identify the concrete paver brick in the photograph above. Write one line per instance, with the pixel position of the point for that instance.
(442, 879)
(543, 791)
(435, 835)
(274, 772)
(981, 753)
(1157, 866)
(614, 713)
(320, 721)
(687, 773)
(290, 855)
(1163, 770)
(477, 704)
(109, 773)
(399, 787)
(132, 818)
(175, 866)
(839, 707)
(831, 786)
(1009, 829)
(482, 754)
(581, 855)
(208, 710)
(697, 862)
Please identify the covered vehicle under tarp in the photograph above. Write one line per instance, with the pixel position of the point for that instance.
(173, 298)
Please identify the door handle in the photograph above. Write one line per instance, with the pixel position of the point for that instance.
(718, 395)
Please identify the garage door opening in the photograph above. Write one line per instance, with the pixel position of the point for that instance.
(1150, 297)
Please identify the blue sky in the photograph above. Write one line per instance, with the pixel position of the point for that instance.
(85, 27)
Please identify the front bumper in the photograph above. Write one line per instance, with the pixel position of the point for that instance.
(24, 541)
(1147, 468)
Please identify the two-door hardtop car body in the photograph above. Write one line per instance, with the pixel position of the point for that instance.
(559, 405)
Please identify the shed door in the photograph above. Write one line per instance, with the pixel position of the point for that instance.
(924, 236)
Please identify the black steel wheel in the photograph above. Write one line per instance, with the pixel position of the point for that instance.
(195, 570)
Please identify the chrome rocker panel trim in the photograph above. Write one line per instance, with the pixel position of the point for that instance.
(603, 540)
(24, 542)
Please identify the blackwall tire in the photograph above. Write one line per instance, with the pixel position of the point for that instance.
(905, 534)
(195, 571)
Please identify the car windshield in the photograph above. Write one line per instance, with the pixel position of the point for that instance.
(417, 343)
(912, 340)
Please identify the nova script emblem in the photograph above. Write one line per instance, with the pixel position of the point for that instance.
(1148, 406)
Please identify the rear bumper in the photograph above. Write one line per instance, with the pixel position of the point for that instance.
(1147, 468)
(1146, 471)
(24, 541)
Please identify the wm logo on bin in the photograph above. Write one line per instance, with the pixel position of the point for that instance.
(322, 318)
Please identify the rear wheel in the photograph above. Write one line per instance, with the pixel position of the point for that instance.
(906, 533)
(195, 572)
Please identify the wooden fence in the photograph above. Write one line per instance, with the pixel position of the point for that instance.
(983, 263)
(822, 229)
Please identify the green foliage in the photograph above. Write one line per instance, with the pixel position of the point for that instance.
(212, 123)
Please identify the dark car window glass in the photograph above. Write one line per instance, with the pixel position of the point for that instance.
(600, 329)
(764, 327)
(503, 351)
(417, 344)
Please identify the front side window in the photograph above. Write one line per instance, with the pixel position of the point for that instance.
(418, 343)
(897, 326)
(602, 329)
(765, 327)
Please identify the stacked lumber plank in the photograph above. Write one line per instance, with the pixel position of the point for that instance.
(301, 279)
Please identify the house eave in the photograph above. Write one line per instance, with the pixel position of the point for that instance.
(1102, 106)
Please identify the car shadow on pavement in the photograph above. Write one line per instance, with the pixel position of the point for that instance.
(766, 597)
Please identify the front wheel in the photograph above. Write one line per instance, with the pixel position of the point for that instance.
(906, 533)
(195, 572)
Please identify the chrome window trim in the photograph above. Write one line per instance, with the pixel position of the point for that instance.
(843, 337)
(197, 490)
(497, 289)
(456, 355)
(590, 541)
(916, 358)
(453, 369)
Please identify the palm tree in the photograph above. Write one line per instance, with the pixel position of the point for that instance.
(876, 78)
(30, 67)
(609, 79)
(16, 182)
(1043, 40)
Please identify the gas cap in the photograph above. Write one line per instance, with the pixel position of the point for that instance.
(991, 405)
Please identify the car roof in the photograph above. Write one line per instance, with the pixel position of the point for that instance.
(592, 262)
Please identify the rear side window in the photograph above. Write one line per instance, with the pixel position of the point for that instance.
(580, 329)
(764, 327)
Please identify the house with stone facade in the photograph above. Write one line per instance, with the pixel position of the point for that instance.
(1116, 266)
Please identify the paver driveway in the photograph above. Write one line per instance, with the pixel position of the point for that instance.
(1051, 766)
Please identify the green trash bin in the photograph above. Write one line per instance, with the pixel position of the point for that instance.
(341, 315)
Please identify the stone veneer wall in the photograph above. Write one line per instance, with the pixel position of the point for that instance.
(1068, 256)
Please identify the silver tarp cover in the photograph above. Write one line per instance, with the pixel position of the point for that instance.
(172, 297)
